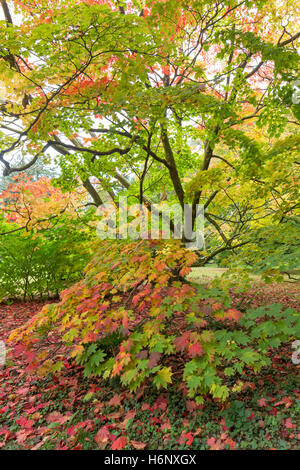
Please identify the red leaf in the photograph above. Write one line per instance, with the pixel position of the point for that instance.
(56, 417)
(190, 405)
(287, 401)
(166, 426)
(77, 447)
(160, 266)
(231, 443)
(216, 306)
(115, 400)
(25, 423)
(186, 438)
(195, 350)
(161, 403)
(288, 424)
(154, 359)
(215, 444)
(142, 354)
(262, 402)
(102, 435)
(185, 271)
(182, 341)
(22, 435)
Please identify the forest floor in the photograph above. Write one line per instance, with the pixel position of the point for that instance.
(67, 411)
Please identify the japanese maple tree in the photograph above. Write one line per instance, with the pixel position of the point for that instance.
(193, 99)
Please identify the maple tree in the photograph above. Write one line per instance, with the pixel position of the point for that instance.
(192, 98)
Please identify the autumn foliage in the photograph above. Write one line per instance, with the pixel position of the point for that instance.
(131, 317)
(173, 101)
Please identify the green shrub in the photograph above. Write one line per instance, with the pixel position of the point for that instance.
(41, 263)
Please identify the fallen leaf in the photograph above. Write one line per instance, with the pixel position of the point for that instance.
(102, 435)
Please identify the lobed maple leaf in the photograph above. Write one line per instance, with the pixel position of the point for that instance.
(138, 445)
(102, 435)
(186, 438)
(56, 417)
(182, 341)
(262, 402)
(115, 400)
(288, 424)
(25, 423)
(233, 314)
(215, 444)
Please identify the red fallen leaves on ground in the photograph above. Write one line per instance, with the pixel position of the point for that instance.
(119, 443)
(285, 401)
(102, 435)
(88, 425)
(138, 445)
(25, 423)
(191, 405)
(160, 404)
(261, 294)
(186, 438)
(154, 359)
(219, 444)
(166, 425)
(23, 402)
(288, 424)
(115, 400)
(56, 417)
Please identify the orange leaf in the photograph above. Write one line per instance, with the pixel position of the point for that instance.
(215, 444)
